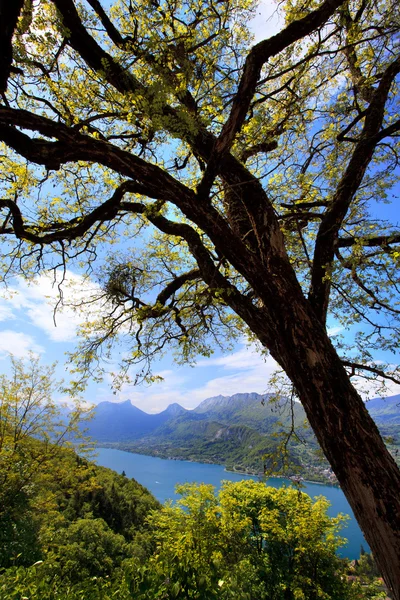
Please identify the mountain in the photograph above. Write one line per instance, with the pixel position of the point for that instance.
(173, 410)
(121, 421)
(386, 414)
(385, 409)
(124, 422)
(261, 412)
(243, 431)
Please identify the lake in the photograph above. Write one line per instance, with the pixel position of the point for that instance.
(160, 476)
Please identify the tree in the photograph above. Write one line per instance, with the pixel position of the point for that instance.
(34, 437)
(253, 174)
(88, 548)
(249, 541)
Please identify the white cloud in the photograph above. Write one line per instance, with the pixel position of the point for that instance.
(38, 299)
(332, 331)
(246, 358)
(373, 389)
(6, 313)
(243, 371)
(17, 343)
(156, 397)
(253, 379)
(267, 21)
(251, 373)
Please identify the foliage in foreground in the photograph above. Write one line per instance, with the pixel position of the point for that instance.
(249, 542)
(56, 507)
(72, 530)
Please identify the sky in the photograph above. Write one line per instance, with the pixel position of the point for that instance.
(28, 324)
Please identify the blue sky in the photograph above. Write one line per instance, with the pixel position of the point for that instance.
(27, 324)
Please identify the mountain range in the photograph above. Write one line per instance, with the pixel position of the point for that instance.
(243, 431)
(121, 421)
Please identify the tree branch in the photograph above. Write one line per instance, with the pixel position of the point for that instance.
(111, 30)
(91, 52)
(73, 146)
(359, 367)
(369, 292)
(75, 228)
(365, 90)
(150, 180)
(258, 148)
(378, 240)
(200, 140)
(9, 13)
(347, 188)
(255, 60)
(389, 130)
(176, 284)
(209, 272)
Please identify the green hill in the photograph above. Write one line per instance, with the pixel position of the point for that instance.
(247, 432)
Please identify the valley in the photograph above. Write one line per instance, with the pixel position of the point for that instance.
(247, 433)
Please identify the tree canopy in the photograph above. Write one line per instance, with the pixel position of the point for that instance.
(249, 541)
(35, 435)
(239, 183)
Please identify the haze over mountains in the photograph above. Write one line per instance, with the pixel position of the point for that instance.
(121, 422)
(125, 422)
(238, 431)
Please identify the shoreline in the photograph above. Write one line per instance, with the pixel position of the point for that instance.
(280, 477)
(227, 470)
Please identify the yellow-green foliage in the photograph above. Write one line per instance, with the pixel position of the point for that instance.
(249, 541)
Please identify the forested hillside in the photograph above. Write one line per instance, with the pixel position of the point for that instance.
(70, 530)
(92, 534)
(245, 432)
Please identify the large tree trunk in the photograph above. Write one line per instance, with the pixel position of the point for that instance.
(351, 442)
(9, 13)
(285, 323)
(353, 446)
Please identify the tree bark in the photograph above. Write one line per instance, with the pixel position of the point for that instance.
(353, 446)
(9, 13)
(367, 473)
(286, 324)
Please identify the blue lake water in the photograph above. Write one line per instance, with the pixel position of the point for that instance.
(161, 476)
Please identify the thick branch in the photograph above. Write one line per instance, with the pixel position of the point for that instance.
(111, 30)
(100, 61)
(373, 241)
(74, 146)
(258, 148)
(10, 10)
(92, 53)
(389, 130)
(255, 60)
(365, 90)
(209, 272)
(150, 179)
(342, 135)
(176, 284)
(75, 228)
(347, 188)
(300, 205)
(202, 141)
